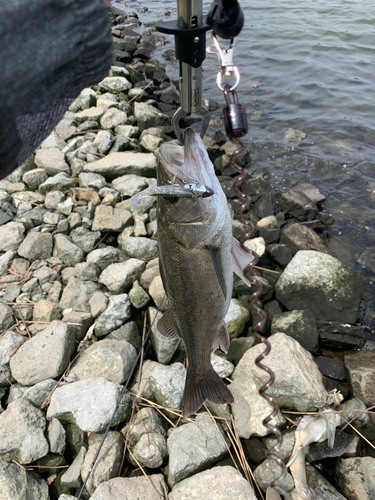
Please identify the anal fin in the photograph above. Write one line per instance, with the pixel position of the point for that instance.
(167, 327)
(217, 261)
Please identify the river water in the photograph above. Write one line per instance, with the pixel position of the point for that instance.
(309, 66)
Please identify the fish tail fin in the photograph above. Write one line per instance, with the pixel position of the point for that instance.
(197, 390)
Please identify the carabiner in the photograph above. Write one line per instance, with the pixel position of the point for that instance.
(227, 68)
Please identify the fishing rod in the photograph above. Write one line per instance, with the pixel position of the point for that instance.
(226, 20)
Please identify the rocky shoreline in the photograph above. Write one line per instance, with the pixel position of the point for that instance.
(80, 285)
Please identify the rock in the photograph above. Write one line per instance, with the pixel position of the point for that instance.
(19, 484)
(219, 483)
(87, 271)
(311, 192)
(118, 311)
(119, 277)
(108, 462)
(115, 84)
(257, 245)
(236, 318)
(286, 448)
(52, 161)
(103, 257)
(164, 347)
(76, 295)
(355, 477)
(265, 206)
(221, 366)
(44, 310)
(129, 332)
(80, 322)
(90, 180)
(142, 386)
(56, 437)
(167, 384)
(36, 394)
(341, 335)
(131, 488)
(147, 116)
(147, 420)
(72, 477)
(98, 303)
(5, 260)
(53, 198)
(157, 293)
(112, 118)
(84, 238)
(301, 325)
(360, 420)
(300, 237)
(59, 182)
(281, 253)
(89, 404)
(193, 447)
(269, 229)
(128, 162)
(130, 184)
(321, 283)
(148, 275)
(92, 114)
(298, 383)
(110, 219)
(67, 251)
(238, 347)
(11, 235)
(331, 367)
(34, 178)
(6, 317)
(139, 298)
(345, 445)
(7, 343)
(44, 356)
(151, 450)
(111, 359)
(22, 433)
(298, 205)
(361, 375)
(140, 248)
(269, 471)
(320, 487)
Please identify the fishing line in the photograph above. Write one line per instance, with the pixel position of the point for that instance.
(120, 399)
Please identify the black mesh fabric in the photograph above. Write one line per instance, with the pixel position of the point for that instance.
(49, 51)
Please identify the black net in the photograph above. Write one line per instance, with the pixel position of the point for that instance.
(49, 51)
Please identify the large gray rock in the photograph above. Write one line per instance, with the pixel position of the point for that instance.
(164, 347)
(360, 420)
(321, 283)
(72, 477)
(148, 116)
(103, 257)
(115, 84)
(7, 343)
(193, 447)
(145, 421)
(151, 450)
(320, 487)
(67, 251)
(22, 433)
(36, 246)
(140, 248)
(108, 462)
(11, 235)
(44, 356)
(89, 404)
(269, 471)
(112, 118)
(131, 488)
(59, 182)
(117, 312)
(130, 184)
(111, 359)
(355, 477)
(52, 161)
(298, 237)
(6, 317)
(127, 162)
(361, 375)
(36, 394)
(34, 178)
(77, 293)
(236, 318)
(17, 483)
(111, 219)
(298, 385)
(119, 277)
(56, 437)
(167, 384)
(85, 238)
(301, 325)
(219, 483)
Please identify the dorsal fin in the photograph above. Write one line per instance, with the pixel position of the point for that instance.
(167, 327)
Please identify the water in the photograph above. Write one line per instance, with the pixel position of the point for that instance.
(309, 66)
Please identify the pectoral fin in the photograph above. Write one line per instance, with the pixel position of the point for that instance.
(217, 260)
(167, 327)
(240, 259)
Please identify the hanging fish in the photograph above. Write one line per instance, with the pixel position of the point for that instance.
(197, 258)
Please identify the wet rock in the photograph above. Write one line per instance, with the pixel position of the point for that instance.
(265, 206)
(72, 477)
(236, 318)
(151, 450)
(355, 477)
(119, 277)
(221, 483)
(18, 483)
(110, 219)
(321, 283)
(111, 359)
(77, 293)
(320, 487)
(52, 161)
(108, 462)
(345, 445)
(311, 192)
(67, 251)
(44, 356)
(89, 404)
(140, 248)
(129, 488)
(361, 375)
(301, 325)
(35, 394)
(117, 312)
(7, 343)
(167, 384)
(300, 237)
(22, 433)
(298, 205)
(331, 367)
(341, 335)
(11, 235)
(269, 471)
(128, 162)
(56, 437)
(138, 296)
(298, 382)
(59, 182)
(164, 347)
(281, 253)
(269, 229)
(193, 447)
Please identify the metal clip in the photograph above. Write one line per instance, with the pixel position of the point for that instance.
(228, 69)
